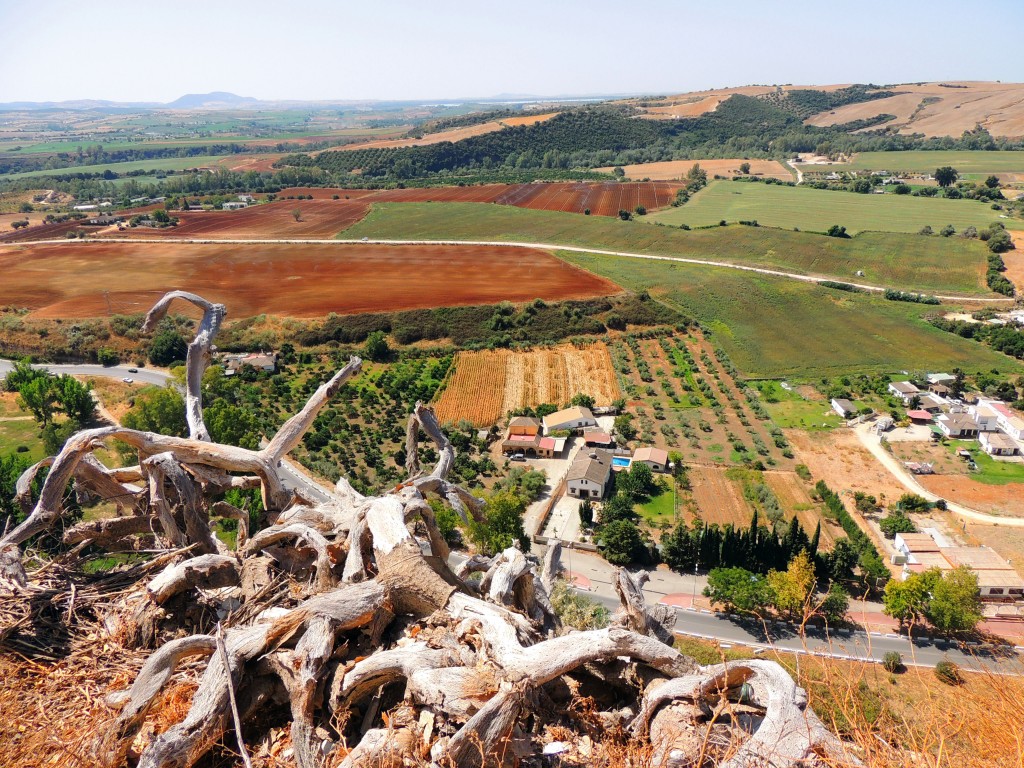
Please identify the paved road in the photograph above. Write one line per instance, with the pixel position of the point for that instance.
(541, 246)
(873, 443)
(144, 375)
(844, 644)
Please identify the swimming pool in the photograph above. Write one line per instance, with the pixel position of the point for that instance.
(621, 461)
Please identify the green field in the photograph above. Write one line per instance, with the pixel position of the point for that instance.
(909, 262)
(965, 161)
(161, 164)
(774, 205)
(990, 471)
(774, 327)
(660, 509)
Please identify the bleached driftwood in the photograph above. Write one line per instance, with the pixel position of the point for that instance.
(335, 603)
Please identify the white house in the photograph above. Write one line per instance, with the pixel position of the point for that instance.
(573, 419)
(957, 425)
(655, 458)
(904, 390)
(985, 415)
(844, 408)
(997, 444)
(588, 476)
(234, 206)
(1009, 421)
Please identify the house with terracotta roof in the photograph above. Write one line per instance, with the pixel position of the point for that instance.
(655, 458)
(524, 425)
(595, 438)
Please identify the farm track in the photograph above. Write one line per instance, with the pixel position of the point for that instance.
(540, 246)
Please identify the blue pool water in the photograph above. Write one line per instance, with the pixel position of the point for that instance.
(621, 461)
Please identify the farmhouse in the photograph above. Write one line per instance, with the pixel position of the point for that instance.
(844, 408)
(939, 389)
(997, 444)
(986, 417)
(655, 458)
(234, 206)
(524, 425)
(904, 390)
(931, 403)
(588, 476)
(939, 378)
(594, 438)
(917, 552)
(264, 361)
(574, 419)
(958, 425)
(919, 417)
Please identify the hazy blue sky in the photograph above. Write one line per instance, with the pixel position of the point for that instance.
(315, 49)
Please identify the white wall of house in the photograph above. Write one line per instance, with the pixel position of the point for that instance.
(585, 489)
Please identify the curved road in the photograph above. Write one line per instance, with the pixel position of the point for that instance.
(911, 484)
(540, 246)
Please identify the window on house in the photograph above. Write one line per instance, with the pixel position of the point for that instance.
(1015, 591)
(996, 591)
(593, 493)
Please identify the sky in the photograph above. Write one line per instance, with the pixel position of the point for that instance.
(52, 50)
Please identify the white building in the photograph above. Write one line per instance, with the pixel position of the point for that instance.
(997, 444)
(844, 408)
(655, 458)
(588, 476)
(904, 390)
(985, 415)
(573, 419)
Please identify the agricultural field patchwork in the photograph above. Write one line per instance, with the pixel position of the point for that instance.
(934, 264)
(486, 385)
(775, 205)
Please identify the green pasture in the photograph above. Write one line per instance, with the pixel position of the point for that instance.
(773, 327)
(775, 205)
(908, 262)
(920, 161)
(990, 471)
(659, 509)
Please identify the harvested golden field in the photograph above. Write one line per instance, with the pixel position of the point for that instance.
(487, 385)
(675, 169)
(719, 499)
(941, 109)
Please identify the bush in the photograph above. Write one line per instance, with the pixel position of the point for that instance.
(949, 673)
(892, 661)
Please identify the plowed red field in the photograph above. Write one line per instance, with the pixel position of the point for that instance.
(318, 220)
(76, 280)
(323, 217)
(602, 198)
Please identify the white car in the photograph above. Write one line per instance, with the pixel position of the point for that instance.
(127, 380)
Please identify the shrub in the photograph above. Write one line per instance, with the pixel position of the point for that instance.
(949, 673)
(892, 661)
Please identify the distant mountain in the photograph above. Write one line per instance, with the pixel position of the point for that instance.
(214, 99)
